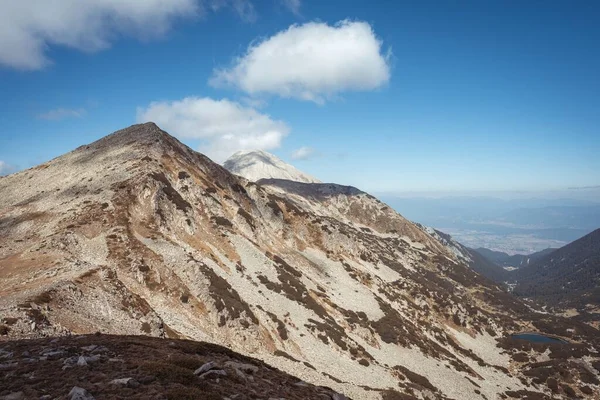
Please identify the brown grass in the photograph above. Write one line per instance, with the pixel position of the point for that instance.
(187, 362)
(168, 373)
(187, 393)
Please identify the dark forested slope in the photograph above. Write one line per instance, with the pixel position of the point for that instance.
(567, 277)
(516, 260)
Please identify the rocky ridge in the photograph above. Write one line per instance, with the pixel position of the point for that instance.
(472, 258)
(138, 234)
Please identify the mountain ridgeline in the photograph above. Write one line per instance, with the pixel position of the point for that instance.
(137, 234)
(566, 278)
(514, 261)
(473, 258)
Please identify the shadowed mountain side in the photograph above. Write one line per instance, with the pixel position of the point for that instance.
(317, 191)
(516, 261)
(566, 278)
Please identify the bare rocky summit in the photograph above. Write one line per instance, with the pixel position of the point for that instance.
(138, 234)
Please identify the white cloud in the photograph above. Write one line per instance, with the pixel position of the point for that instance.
(314, 61)
(28, 28)
(254, 102)
(62, 113)
(303, 153)
(292, 5)
(223, 126)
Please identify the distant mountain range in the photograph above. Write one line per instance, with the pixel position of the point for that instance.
(515, 226)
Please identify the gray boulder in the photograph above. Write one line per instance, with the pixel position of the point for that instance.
(206, 367)
(78, 393)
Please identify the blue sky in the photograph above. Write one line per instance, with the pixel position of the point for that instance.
(403, 96)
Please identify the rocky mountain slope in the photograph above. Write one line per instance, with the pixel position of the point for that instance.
(138, 234)
(566, 278)
(472, 258)
(257, 164)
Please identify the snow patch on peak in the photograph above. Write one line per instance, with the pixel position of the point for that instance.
(255, 165)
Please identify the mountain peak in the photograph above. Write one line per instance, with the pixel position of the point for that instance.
(145, 133)
(142, 139)
(258, 164)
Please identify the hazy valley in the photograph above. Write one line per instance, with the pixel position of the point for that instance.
(514, 226)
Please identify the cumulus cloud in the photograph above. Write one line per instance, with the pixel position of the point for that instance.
(62, 113)
(313, 61)
(292, 5)
(28, 28)
(254, 102)
(303, 153)
(223, 126)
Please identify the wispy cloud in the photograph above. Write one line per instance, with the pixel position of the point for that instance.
(303, 153)
(59, 114)
(29, 28)
(292, 5)
(244, 8)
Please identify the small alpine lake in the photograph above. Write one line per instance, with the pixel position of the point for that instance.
(538, 338)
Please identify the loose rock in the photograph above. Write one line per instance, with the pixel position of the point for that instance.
(247, 368)
(213, 372)
(206, 367)
(78, 393)
(53, 354)
(338, 396)
(129, 382)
